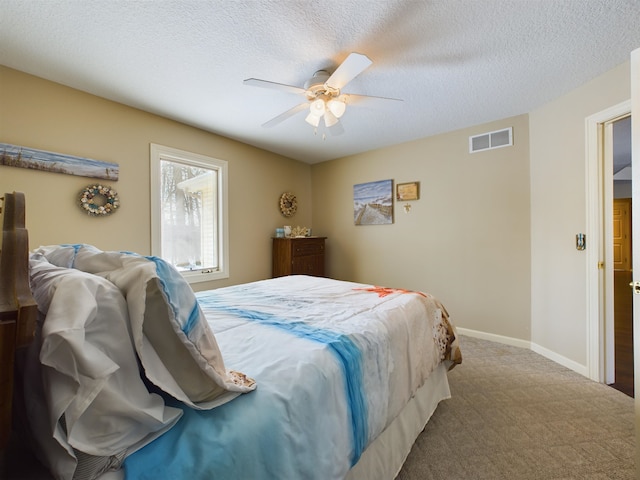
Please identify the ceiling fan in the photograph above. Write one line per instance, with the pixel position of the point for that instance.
(324, 98)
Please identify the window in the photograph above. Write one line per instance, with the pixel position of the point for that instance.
(189, 213)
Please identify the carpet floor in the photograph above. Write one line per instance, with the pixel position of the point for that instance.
(514, 414)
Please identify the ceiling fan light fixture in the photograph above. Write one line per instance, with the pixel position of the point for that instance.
(337, 106)
(313, 119)
(318, 107)
(329, 118)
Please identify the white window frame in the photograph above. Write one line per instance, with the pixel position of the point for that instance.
(159, 153)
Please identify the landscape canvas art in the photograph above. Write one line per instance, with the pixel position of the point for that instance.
(373, 203)
(23, 157)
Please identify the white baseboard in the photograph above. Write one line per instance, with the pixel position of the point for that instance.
(516, 342)
(492, 337)
(564, 361)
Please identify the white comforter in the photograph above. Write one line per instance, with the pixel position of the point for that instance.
(334, 361)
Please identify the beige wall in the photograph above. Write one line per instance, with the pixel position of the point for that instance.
(558, 212)
(466, 240)
(493, 234)
(40, 114)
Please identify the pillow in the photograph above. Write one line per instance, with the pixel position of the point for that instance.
(85, 400)
(174, 342)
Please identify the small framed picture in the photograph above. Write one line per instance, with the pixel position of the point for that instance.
(407, 191)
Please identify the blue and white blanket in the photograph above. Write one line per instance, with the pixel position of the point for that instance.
(334, 361)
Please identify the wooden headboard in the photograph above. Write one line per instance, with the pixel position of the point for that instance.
(18, 310)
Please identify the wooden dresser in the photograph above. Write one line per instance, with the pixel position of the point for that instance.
(298, 256)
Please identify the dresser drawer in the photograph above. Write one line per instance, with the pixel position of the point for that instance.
(308, 247)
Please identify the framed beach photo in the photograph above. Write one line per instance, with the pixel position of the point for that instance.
(25, 157)
(407, 191)
(373, 203)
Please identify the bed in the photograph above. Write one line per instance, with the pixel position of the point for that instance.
(132, 375)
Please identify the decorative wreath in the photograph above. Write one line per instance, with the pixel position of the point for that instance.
(288, 204)
(99, 200)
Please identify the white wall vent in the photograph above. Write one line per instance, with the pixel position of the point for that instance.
(491, 140)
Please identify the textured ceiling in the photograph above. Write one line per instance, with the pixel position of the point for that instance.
(455, 63)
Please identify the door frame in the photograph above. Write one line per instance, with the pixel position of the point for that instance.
(599, 231)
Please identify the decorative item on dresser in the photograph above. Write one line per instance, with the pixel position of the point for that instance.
(298, 256)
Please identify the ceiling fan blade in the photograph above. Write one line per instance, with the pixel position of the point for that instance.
(283, 116)
(352, 98)
(255, 82)
(352, 66)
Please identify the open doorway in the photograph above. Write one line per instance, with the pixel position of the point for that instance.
(599, 229)
(622, 260)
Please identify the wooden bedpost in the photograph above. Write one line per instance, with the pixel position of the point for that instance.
(18, 310)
